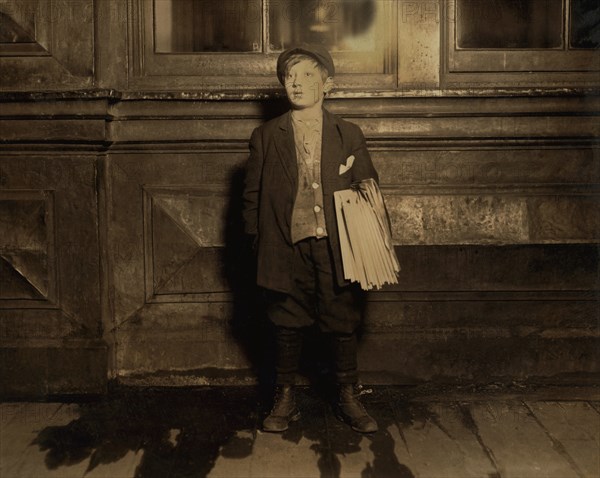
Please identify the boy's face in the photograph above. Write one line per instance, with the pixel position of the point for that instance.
(304, 84)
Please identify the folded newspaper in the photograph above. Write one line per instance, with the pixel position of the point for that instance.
(365, 238)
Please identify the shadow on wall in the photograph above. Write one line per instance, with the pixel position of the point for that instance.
(248, 323)
(183, 433)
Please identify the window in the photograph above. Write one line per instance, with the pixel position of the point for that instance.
(508, 24)
(186, 26)
(585, 24)
(506, 37)
(235, 43)
(221, 45)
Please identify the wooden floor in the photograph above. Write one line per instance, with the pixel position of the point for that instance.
(454, 433)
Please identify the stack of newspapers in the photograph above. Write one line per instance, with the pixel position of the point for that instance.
(365, 238)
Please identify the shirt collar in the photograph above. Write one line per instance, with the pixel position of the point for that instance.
(317, 118)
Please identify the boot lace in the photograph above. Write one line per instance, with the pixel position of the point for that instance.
(359, 390)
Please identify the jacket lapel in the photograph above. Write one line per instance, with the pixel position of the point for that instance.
(284, 142)
(331, 149)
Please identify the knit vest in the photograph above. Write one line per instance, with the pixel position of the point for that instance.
(308, 218)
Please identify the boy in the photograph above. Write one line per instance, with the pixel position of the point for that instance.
(296, 162)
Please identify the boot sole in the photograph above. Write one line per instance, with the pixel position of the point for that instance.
(294, 418)
(347, 421)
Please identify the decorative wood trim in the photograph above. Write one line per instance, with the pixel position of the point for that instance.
(104, 120)
(511, 68)
(51, 300)
(63, 55)
(23, 49)
(68, 181)
(247, 71)
(150, 192)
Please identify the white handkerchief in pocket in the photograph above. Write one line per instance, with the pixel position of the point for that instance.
(349, 162)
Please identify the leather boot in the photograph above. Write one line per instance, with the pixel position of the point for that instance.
(284, 410)
(352, 412)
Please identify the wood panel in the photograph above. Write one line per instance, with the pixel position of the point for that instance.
(50, 316)
(458, 303)
(496, 234)
(60, 51)
(120, 209)
(50, 206)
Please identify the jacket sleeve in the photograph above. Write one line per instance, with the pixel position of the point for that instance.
(363, 165)
(252, 184)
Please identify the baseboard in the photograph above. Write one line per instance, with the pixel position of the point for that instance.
(43, 367)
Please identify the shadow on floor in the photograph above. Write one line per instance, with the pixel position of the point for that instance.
(182, 433)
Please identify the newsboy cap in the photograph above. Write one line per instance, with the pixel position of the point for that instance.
(320, 54)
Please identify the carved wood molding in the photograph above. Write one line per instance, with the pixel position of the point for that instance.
(48, 44)
(245, 72)
(27, 249)
(48, 242)
(511, 67)
(105, 119)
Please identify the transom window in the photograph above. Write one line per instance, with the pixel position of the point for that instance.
(527, 24)
(233, 44)
(356, 31)
(522, 36)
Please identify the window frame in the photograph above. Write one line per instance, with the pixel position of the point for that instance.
(248, 70)
(515, 66)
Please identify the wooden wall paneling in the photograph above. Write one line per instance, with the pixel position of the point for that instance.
(243, 72)
(124, 211)
(565, 218)
(64, 32)
(466, 357)
(490, 200)
(169, 220)
(475, 265)
(110, 46)
(49, 301)
(502, 195)
(51, 342)
(525, 69)
(481, 217)
(502, 167)
(28, 251)
(67, 230)
(498, 268)
(418, 40)
(507, 312)
(552, 313)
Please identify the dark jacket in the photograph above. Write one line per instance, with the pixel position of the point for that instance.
(271, 184)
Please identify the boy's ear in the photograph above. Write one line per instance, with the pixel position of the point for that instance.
(328, 85)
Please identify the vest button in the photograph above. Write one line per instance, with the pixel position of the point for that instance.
(319, 230)
(317, 208)
(315, 185)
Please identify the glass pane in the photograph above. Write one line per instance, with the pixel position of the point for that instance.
(585, 24)
(184, 26)
(339, 25)
(509, 24)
